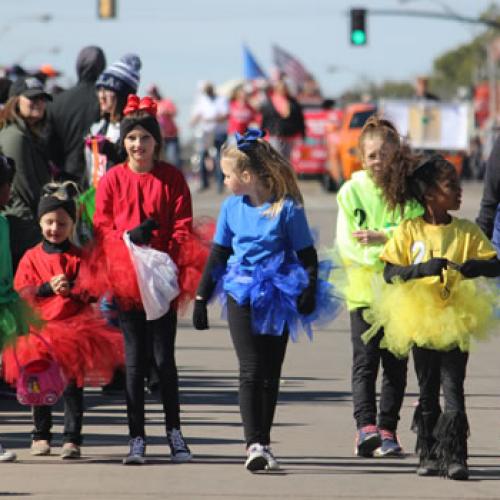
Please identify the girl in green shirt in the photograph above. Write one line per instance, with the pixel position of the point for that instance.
(364, 224)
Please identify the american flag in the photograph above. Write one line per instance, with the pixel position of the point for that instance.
(290, 65)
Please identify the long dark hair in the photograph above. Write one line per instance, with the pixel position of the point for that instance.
(416, 179)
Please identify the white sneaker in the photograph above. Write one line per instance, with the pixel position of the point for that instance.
(7, 456)
(179, 450)
(272, 463)
(256, 460)
(136, 453)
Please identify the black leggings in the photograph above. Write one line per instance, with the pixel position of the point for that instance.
(260, 359)
(150, 342)
(365, 366)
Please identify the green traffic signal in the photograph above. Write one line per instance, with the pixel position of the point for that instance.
(358, 27)
(358, 37)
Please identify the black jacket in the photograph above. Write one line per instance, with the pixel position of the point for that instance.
(72, 113)
(276, 125)
(491, 191)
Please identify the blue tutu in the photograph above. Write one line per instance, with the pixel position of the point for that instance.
(272, 289)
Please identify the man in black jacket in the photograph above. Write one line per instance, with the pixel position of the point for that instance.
(72, 113)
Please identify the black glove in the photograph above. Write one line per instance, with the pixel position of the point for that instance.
(45, 290)
(474, 268)
(432, 267)
(141, 235)
(200, 315)
(306, 301)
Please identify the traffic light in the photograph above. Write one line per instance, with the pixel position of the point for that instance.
(106, 9)
(358, 27)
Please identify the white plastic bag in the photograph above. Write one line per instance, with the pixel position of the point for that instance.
(156, 276)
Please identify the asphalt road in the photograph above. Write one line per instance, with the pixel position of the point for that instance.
(313, 436)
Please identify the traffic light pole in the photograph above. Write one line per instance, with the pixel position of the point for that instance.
(433, 15)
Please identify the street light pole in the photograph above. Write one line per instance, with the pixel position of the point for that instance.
(448, 16)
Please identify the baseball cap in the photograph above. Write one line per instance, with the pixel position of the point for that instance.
(29, 87)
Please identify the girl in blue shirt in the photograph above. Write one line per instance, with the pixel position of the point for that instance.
(264, 251)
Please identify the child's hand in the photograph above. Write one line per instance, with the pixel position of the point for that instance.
(60, 285)
(369, 237)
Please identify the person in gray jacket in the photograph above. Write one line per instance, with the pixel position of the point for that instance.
(23, 137)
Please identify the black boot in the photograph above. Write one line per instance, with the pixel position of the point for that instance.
(423, 424)
(451, 432)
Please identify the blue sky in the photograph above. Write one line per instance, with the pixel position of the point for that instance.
(182, 42)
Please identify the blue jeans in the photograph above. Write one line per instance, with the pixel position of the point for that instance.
(219, 140)
(73, 417)
(172, 151)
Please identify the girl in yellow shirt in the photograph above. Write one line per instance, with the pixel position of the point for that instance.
(433, 308)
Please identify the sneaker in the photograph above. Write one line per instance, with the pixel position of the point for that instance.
(136, 453)
(367, 441)
(390, 446)
(40, 447)
(179, 450)
(256, 459)
(458, 471)
(428, 467)
(70, 450)
(272, 463)
(7, 456)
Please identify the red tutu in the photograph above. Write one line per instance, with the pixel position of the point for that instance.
(86, 348)
(106, 268)
(192, 258)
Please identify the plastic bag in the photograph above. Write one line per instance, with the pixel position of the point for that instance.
(156, 276)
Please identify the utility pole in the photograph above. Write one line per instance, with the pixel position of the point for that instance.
(445, 16)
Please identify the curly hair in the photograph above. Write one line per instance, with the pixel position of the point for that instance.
(274, 172)
(427, 174)
(392, 179)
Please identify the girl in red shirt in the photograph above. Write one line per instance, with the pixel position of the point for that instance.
(85, 347)
(149, 200)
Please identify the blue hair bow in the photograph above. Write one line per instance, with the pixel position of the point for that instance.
(248, 139)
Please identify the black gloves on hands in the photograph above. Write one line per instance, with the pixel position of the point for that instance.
(474, 268)
(200, 315)
(141, 235)
(306, 301)
(433, 267)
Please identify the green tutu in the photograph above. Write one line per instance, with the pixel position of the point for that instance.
(16, 318)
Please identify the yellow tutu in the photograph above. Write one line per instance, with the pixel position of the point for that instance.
(414, 313)
(353, 282)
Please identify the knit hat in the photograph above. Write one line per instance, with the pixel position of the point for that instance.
(147, 122)
(122, 76)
